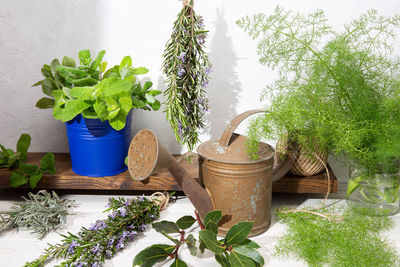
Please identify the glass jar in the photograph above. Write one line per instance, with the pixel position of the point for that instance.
(373, 194)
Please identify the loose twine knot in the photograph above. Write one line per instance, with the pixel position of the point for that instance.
(160, 198)
(187, 3)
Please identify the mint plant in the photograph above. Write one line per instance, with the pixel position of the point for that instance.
(25, 173)
(93, 91)
(233, 250)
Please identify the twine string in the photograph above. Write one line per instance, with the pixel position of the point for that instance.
(160, 198)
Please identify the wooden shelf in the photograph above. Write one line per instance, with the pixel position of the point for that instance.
(65, 178)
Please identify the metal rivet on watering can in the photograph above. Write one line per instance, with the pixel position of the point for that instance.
(234, 183)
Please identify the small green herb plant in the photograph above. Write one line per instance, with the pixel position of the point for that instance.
(233, 250)
(340, 89)
(188, 69)
(355, 241)
(24, 173)
(94, 92)
(41, 213)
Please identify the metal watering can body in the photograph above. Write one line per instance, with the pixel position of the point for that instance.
(235, 184)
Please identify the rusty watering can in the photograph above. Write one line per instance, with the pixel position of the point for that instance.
(234, 183)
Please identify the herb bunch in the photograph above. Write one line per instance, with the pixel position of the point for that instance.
(353, 242)
(91, 90)
(41, 213)
(339, 89)
(233, 250)
(188, 69)
(104, 238)
(25, 173)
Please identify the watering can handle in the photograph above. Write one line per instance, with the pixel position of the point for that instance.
(282, 167)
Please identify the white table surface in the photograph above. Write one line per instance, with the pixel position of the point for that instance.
(18, 247)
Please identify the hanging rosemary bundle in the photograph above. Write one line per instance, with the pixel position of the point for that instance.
(187, 68)
(40, 213)
(103, 239)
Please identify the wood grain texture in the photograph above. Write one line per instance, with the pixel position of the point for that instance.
(65, 178)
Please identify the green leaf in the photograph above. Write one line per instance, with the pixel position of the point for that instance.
(150, 256)
(154, 92)
(73, 108)
(238, 233)
(353, 184)
(46, 71)
(176, 241)
(178, 263)
(84, 93)
(166, 226)
(53, 66)
(48, 163)
(86, 81)
(68, 62)
(191, 244)
(150, 98)
(17, 178)
(84, 57)
(125, 104)
(29, 169)
(103, 66)
(156, 105)
(185, 222)
(238, 260)
(249, 253)
(23, 144)
(96, 62)
(211, 220)
(168, 248)
(147, 86)
(126, 62)
(202, 246)
(101, 109)
(71, 74)
(138, 103)
(249, 243)
(48, 85)
(34, 179)
(45, 102)
(37, 83)
(210, 240)
(114, 86)
(119, 121)
(222, 260)
(140, 70)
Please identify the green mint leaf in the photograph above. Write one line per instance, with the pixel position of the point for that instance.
(238, 233)
(250, 253)
(34, 179)
(45, 102)
(156, 105)
(222, 260)
(147, 85)
(23, 144)
(96, 62)
(150, 256)
(73, 108)
(46, 71)
(17, 178)
(68, 62)
(140, 70)
(29, 169)
(126, 62)
(138, 103)
(150, 98)
(166, 226)
(37, 83)
(48, 85)
(84, 57)
(84, 92)
(178, 263)
(48, 163)
(86, 81)
(238, 260)
(125, 104)
(210, 240)
(191, 244)
(185, 222)
(211, 220)
(53, 66)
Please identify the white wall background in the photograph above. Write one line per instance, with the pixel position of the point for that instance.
(32, 33)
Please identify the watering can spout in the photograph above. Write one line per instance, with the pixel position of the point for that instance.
(147, 156)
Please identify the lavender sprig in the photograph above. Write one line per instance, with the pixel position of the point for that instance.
(104, 238)
(188, 69)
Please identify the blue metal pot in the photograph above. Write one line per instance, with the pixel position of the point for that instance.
(97, 149)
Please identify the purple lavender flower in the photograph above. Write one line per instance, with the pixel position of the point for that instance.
(71, 246)
(152, 216)
(200, 22)
(108, 254)
(95, 264)
(201, 39)
(131, 226)
(123, 236)
(108, 205)
(204, 84)
(142, 227)
(181, 71)
(207, 71)
(200, 100)
(112, 215)
(141, 198)
(78, 264)
(120, 245)
(131, 235)
(180, 126)
(98, 225)
(128, 202)
(110, 242)
(182, 57)
(123, 211)
(95, 248)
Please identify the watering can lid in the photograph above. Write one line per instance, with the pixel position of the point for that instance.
(232, 148)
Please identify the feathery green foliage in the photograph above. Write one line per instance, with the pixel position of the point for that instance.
(187, 68)
(41, 213)
(340, 89)
(353, 242)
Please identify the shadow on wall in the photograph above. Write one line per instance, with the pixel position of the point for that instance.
(224, 86)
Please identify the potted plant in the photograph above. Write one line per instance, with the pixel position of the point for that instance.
(339, 89)
(96, 105)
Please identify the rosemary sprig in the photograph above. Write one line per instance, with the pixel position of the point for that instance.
(103, 239)
(187, 68)
(40, 213)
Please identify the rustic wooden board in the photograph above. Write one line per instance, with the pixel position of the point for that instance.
(65, 178)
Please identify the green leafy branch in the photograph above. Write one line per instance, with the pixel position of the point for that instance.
(95, 92)
(233, 250)
(24, 173)
(187, 68)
